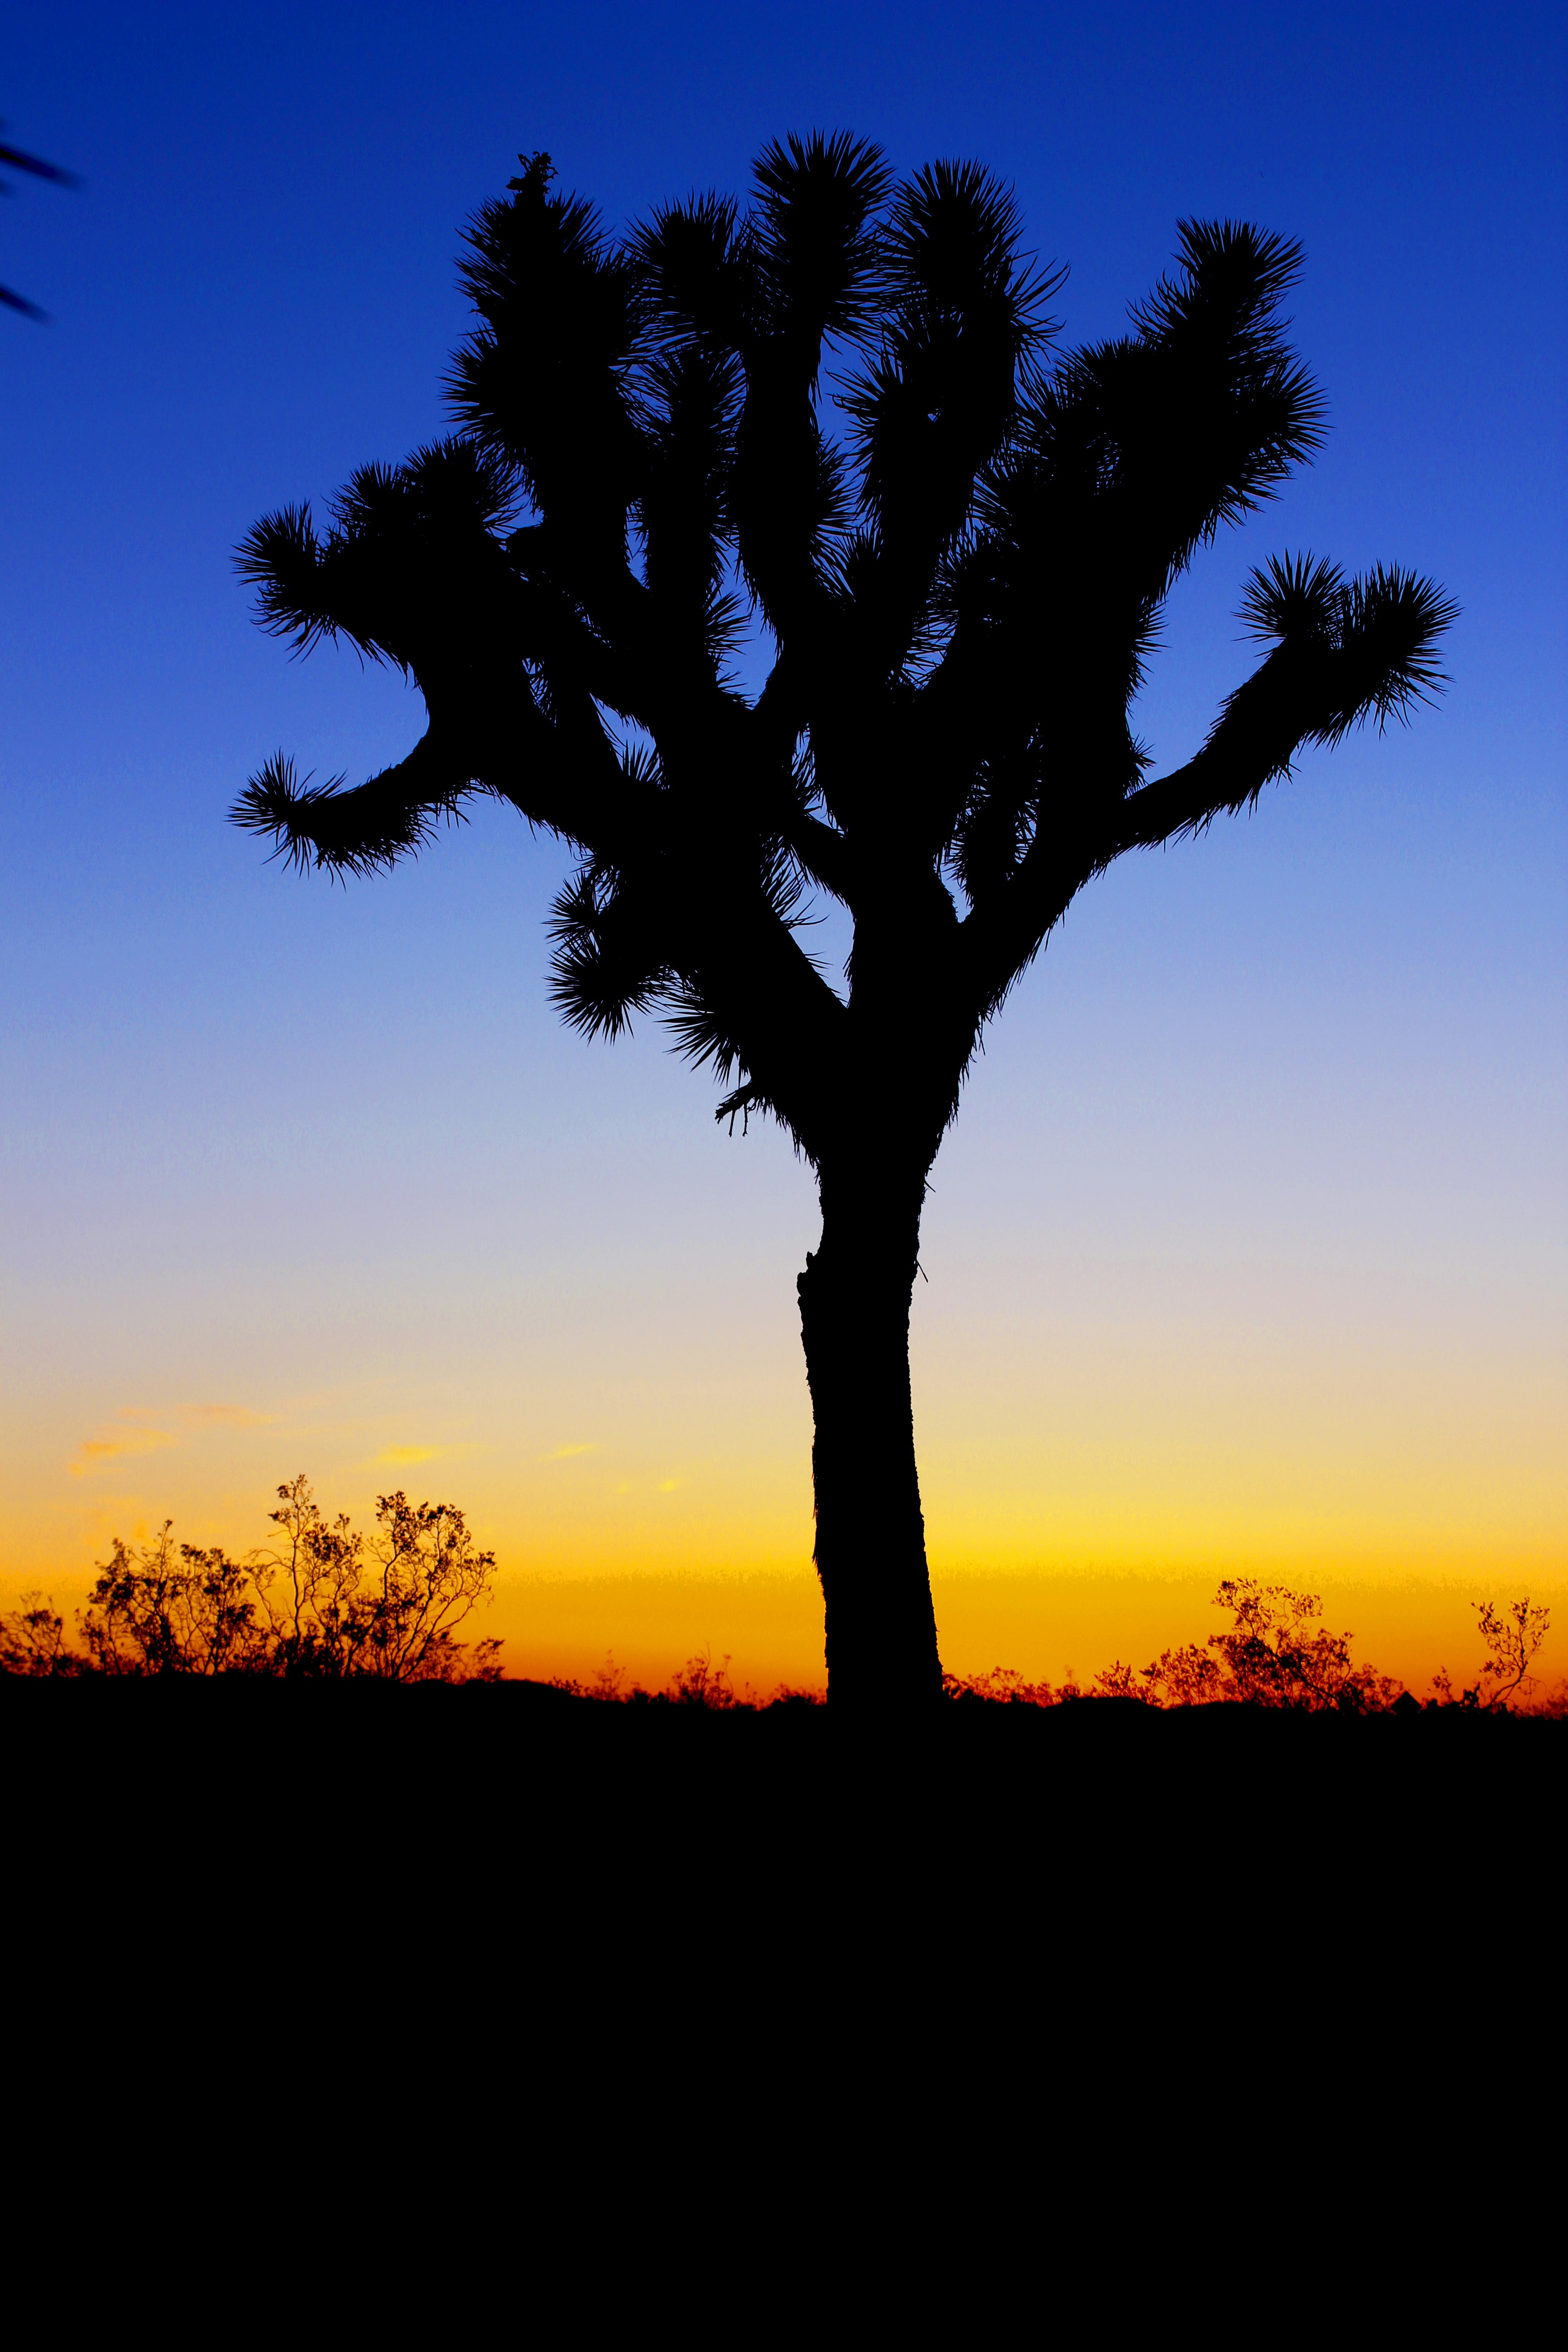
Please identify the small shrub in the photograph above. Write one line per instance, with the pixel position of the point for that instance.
(701, 1682)
(1510, 1639)
(1276, 1653)
(323, 1603)
(33, 1641)
(1002, 1686)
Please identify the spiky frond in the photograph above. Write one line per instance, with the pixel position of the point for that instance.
(697, 263)
(1160, 439)
(814, 237)
(360, 832)
(1293, 599)
(1388, 640)
(280, 557)
(1380, 635)
(1345, 653)
(1124, 461)
(701, 1033)
(544, 380)
(403, 540)
(964, 318)
(604, 962)
(1232, 279)
(690, 401)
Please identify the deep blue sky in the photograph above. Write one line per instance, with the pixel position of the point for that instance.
(247, 1113)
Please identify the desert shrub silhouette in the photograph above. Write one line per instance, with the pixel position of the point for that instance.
(323, 1603)
(1510, 1639)
(836, 408)
(697, 1683)
(162, 1611)
(386, 1605)
(34, 1641)
(1276, 1653)
(1006, 1687)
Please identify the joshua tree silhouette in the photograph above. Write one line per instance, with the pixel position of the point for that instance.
(837, 406)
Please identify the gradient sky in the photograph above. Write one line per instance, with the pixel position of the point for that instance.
(1246, 1252)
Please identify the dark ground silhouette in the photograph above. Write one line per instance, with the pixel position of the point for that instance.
(836, 407)
(1166, 1872)
(1164, 1903)
(440, 1810)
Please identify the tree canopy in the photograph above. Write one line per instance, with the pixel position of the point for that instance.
(840, 408)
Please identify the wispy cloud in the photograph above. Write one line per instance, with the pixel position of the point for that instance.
(133, 1435)
(96, 1453)
(569, 1452)
(403, 1457)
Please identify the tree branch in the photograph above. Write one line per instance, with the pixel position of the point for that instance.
(1343, 654)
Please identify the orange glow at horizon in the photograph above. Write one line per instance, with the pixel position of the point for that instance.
(1349, 1388)
(1051, 1554)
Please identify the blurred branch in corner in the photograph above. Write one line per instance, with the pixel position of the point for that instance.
(19, 161)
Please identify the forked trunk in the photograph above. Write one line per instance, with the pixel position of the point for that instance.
(870, 1534)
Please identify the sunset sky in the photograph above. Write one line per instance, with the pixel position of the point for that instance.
(1247, 1253)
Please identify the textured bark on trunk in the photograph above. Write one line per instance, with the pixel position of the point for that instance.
(870, 1535)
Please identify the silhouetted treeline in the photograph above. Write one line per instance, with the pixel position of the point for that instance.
(1276, 1653)
(325, 1602)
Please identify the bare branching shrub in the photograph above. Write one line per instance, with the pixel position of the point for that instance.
(701, 1682)
(1006, 1687)
(168, 1611)
(311, 1579)
(1117, 1681)
(1511, 1638)
(1275, 1653)
(609, 1686)
(385, 1605)
(33, 1641)
(1186, 1677)
(610, 1682)
(697, 1683)
(323, 1601)
(422, 1576)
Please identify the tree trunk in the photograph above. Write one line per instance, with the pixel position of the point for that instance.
(870, 1534)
